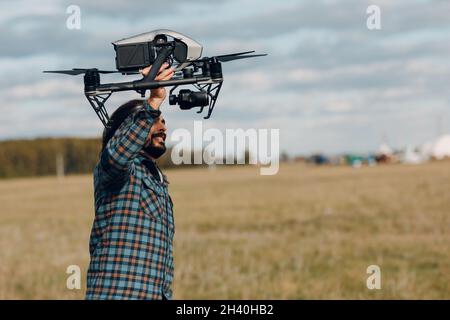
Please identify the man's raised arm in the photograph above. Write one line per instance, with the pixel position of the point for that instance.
(132, 134)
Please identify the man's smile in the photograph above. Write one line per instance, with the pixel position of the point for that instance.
(159, 137)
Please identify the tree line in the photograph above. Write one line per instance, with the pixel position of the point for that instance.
(41, 157)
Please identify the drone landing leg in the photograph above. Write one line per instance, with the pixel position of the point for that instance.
(213, 93)
(98, 104)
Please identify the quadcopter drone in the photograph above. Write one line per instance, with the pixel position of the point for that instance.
(154, 48)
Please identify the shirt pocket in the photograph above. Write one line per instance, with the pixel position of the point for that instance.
(151, 199)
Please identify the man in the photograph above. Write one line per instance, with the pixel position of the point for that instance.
(132, 234)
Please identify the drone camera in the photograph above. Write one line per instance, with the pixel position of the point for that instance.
(188, 99)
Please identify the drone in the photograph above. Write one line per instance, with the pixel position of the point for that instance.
(156, 48)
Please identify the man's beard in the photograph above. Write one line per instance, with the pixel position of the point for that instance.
(155, 151)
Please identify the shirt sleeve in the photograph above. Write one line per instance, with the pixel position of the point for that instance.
(126, 143)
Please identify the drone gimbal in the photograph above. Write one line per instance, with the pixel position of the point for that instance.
(154, 48)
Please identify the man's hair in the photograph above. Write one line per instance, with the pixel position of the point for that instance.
(118, 117)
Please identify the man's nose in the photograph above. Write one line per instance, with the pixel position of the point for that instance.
(161, 126)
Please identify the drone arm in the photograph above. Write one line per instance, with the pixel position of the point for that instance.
(146, 85)
(141, 84)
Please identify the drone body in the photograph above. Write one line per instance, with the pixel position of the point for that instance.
(154, 48)
(140, 51)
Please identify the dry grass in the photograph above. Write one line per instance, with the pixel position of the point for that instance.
(307, 232)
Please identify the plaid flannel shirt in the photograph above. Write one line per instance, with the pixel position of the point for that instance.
(132, 233)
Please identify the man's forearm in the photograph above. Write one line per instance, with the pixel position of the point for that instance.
(127, 142)
(155, 103)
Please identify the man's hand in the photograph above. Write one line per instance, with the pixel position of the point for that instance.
(158, 95)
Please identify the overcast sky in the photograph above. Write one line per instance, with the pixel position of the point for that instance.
(329, 84)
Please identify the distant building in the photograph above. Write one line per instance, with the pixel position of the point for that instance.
(437, 149)
(441, 147)
(384, 149)
(412, 156)
(385, 154)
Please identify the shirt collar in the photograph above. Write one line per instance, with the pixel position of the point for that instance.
(152, 167)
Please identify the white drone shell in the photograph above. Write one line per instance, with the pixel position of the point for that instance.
(194, 49)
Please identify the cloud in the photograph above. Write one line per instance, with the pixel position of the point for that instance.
(50, 88)
(328, 83)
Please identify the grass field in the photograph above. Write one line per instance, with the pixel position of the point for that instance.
(306, 233)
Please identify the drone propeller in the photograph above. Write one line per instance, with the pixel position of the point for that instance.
(77, 71)
(236, 56)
